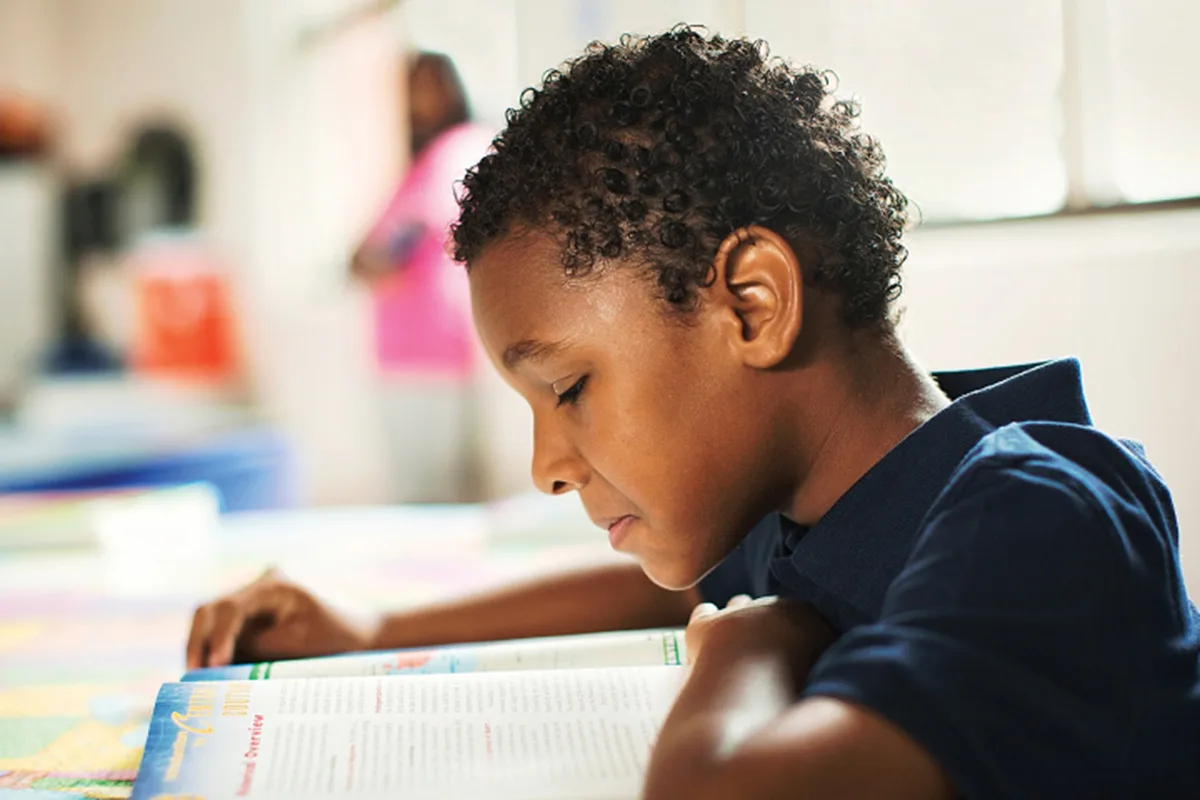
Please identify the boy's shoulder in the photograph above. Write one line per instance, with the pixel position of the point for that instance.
(1099, 491)
(1041, 610)
(1057, 519)
(1070, 448)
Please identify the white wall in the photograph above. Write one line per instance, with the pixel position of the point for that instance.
(29, 48)
(28, 206)
(1118, 291)
(551, 31)
(323, 134)
(29, 66)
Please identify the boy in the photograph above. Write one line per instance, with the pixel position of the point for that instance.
(684, 258)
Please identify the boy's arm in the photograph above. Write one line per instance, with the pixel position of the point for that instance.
(273, 619)
(736, 730)
(599, 598)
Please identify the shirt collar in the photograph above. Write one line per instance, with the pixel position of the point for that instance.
(846, 561)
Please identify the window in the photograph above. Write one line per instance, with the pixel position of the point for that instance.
(986, 109)
(1155, 61)
(1005, 108)
(963, 96)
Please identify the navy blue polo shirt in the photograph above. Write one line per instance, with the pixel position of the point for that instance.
(1007, 589)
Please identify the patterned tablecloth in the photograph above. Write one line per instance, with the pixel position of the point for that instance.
(86, 637)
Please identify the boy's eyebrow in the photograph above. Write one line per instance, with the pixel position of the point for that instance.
(530, 350)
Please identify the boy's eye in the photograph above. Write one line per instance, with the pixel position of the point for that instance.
(571, 395)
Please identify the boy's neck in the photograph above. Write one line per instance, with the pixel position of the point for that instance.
(869, 402)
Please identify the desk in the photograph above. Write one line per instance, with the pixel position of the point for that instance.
(86, 638)
(251, 467)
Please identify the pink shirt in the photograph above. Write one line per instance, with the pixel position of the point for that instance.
(422, 312)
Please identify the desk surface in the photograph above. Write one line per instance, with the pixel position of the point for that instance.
(86, 637)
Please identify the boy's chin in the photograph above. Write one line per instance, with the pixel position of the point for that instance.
(672, 573)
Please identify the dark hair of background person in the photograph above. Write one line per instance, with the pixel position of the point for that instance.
(437, 100)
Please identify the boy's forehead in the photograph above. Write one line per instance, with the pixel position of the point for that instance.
(519, 293)
(522, 298)
(514, 278)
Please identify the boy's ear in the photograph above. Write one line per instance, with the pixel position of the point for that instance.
(757, 281)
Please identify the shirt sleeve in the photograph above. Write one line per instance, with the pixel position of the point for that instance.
(1016, 644)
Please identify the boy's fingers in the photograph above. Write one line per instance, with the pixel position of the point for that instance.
(697, 627)
(739, 601)
(201, 623)
(269, 596)
(269, 575)
(271, 643)
(226, 624)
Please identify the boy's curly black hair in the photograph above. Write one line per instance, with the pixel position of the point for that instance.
(656, 148)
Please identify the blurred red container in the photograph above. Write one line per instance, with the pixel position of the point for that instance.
(184, 321)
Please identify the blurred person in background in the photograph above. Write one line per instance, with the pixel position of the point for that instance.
(425, 343)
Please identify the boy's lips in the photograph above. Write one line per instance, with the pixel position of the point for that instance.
(617, 527)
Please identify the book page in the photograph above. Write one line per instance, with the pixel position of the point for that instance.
(616, 649)
(561, 735)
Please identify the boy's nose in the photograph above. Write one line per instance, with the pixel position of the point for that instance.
(557, 465)
(560, 477)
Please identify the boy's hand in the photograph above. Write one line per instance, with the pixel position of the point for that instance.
(765, 622)
(271, 619)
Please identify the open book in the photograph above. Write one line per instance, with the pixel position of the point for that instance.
(568, 718)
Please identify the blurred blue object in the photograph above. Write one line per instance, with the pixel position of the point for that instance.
(251, 468)
(80, 354)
